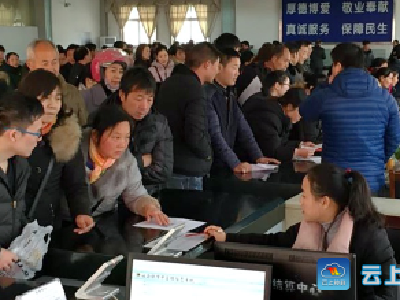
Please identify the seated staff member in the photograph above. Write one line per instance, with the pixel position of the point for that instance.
(338, 217)
(227, 125)
(112, 169)
(20, 125)
(59, 156)
(271, 120)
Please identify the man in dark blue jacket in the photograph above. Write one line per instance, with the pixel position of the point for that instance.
(227, 125)
(360, 120)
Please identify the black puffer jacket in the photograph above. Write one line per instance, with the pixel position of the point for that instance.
(151, 135)
(12, 208)
(270, 126)
(182, 100)
(67, 179)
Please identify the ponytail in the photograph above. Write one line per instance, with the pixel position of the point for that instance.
(348, 189)
(359, 204)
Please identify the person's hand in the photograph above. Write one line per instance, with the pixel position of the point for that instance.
(266, 160)
(84, 223)
(215, 232)
(308, 144)
(147, 160)
(153, 213)
(242, 168)
(244, 176)
(304, 152)
(7, 258)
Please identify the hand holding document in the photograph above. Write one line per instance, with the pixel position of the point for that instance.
(263, 167)
(174, 222)
(185, 241)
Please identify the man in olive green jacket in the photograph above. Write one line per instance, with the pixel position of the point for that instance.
(42, 54)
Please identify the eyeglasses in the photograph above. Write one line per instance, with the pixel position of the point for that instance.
(37, 134)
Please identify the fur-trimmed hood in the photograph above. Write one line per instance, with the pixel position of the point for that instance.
(65, 139)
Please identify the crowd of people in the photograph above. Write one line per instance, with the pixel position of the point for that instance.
(81, 128)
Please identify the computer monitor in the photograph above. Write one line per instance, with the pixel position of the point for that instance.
(294, 274)
(167, 278)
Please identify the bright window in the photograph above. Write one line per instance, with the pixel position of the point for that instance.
(191, 28)
(134, 32)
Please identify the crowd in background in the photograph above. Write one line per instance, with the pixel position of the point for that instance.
(97, 126)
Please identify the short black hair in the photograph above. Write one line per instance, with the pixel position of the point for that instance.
(275, 77)
(276, 43)
(227, 55)
(39, 83)
(227, 40)
(9, 54)
(18, 110)
(293, 47)
(294, 96)
(246, 43)
(173, 50)
(92, 47)
(72, 47)
(61, 49)
(304, 43)
(138, 78)
(160, 48)
(246, 56)
(119, 45)
(385, 72)
(378, 62)
(107, 117)
(2, 49)
(348, 55)
(81, 53)
(366, 43)
(200, 54)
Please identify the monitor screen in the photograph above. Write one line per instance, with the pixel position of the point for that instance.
(294, 272)
(180, 279)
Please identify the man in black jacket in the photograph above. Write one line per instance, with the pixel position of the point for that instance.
(151, 141)
(317, 59)
(182, 100)
(227, 125)
(20, 128)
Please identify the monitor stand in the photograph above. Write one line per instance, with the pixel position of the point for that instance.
(93, 288)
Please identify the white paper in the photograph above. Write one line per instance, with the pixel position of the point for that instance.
(263, 167)
(50, 291)
(181, 243)
(189, 224)
(314, 159)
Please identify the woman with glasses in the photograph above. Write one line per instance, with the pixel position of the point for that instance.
(57, 163)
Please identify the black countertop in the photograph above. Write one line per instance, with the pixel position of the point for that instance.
(234, 202)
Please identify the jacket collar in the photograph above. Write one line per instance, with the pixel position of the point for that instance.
(65, 138)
